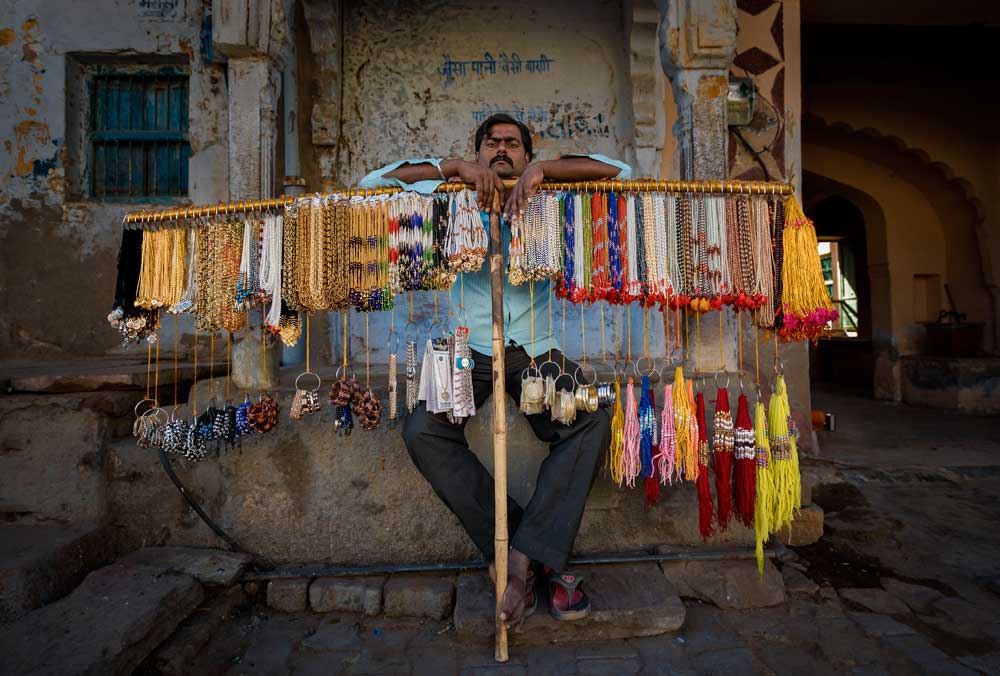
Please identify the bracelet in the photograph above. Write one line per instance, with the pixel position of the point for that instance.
(441, 171)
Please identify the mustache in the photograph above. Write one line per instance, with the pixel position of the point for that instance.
(499, 158)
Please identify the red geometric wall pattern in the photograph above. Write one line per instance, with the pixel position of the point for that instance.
(760, 55)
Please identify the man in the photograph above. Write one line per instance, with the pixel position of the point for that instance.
(545, 529)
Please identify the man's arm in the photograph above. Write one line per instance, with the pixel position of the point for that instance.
(566, 168)
(430, 173)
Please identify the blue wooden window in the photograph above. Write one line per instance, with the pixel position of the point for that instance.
(138, 135)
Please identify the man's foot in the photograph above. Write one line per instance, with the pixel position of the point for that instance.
(515, 597)
(566, 600)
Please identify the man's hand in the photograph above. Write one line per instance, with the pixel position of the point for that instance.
(524, 190)
(484, 179)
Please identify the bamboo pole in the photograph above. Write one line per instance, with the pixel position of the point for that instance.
(145, 217)
(500, 536)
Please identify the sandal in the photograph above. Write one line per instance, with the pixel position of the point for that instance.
(569, 582)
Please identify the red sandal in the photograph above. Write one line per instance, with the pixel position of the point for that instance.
(569, 583)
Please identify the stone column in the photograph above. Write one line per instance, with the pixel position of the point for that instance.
(697, 40)
(255, 36)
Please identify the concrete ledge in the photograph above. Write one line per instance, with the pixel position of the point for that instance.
(38, 564)
(108, 625)
(971, 384)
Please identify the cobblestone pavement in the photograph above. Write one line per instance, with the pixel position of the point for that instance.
(904, 581)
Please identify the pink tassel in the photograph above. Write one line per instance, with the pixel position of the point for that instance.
(667, 459)
(631, 436)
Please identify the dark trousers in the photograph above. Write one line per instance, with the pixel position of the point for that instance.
(546, 528)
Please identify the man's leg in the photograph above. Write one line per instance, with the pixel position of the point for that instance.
(441, 453)
(551, 520)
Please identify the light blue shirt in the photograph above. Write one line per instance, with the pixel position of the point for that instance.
(471, 292)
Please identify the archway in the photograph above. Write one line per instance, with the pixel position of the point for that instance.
(855, 222)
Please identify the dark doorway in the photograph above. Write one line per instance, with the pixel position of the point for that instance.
(845, 358)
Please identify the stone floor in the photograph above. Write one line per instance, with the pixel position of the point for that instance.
(904, 581)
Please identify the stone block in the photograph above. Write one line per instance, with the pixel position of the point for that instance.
(333, 637)
(730, 585)
(108, 625)
(351, 594)
(806, 528)
(211, 567)
(922, 657)
(917, 597)
(38, 564)
(287, 595)
(874, 599)
(51, 460)
(418, 596)
(796, 582)
(174, 655)
(876, 626)
(627, 600)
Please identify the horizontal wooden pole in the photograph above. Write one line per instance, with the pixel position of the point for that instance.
(611, 185)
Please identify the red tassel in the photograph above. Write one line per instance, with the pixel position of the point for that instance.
(704, 488)
(722, 458)
(745, 479)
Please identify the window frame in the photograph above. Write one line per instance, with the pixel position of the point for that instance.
(89, 69)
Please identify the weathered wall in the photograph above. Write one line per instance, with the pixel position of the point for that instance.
(58, 251)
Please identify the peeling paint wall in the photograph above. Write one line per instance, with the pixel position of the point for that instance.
(58, 251)
(402, 98)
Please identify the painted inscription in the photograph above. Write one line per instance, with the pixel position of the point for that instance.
(506, 64)
(558, 121)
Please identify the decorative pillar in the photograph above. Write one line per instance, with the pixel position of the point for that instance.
(697, 40)
(255, 36)
(697, 43)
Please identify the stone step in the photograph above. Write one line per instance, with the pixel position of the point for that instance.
(39, 564)
(627, 600)
(92, 375)
(175, 655)
(107, 625)
(211, 567)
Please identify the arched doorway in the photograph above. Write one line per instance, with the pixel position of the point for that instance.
(844, 358)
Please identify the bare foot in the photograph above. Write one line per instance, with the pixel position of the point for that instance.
(512, 607)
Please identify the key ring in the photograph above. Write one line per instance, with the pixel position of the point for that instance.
(393, 346)
(644, 372)
(526, 373)
(779, 367)
(140, 403)
(560, 377)
(579, 370)
(555, 365)
(309, 373)
(677, 356)
(726, 386)
(410, 331)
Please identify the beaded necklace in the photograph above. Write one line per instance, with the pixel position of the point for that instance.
(467, 240)
(632, 230)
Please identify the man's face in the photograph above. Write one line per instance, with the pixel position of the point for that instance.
(502, 151)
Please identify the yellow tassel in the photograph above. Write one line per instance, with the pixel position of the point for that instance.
(777, 424)
(615, 463)
(763, 506)
(796, 477)
(685, 450)
(804, 299)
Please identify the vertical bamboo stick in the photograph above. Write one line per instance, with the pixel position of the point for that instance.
(500, 537)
